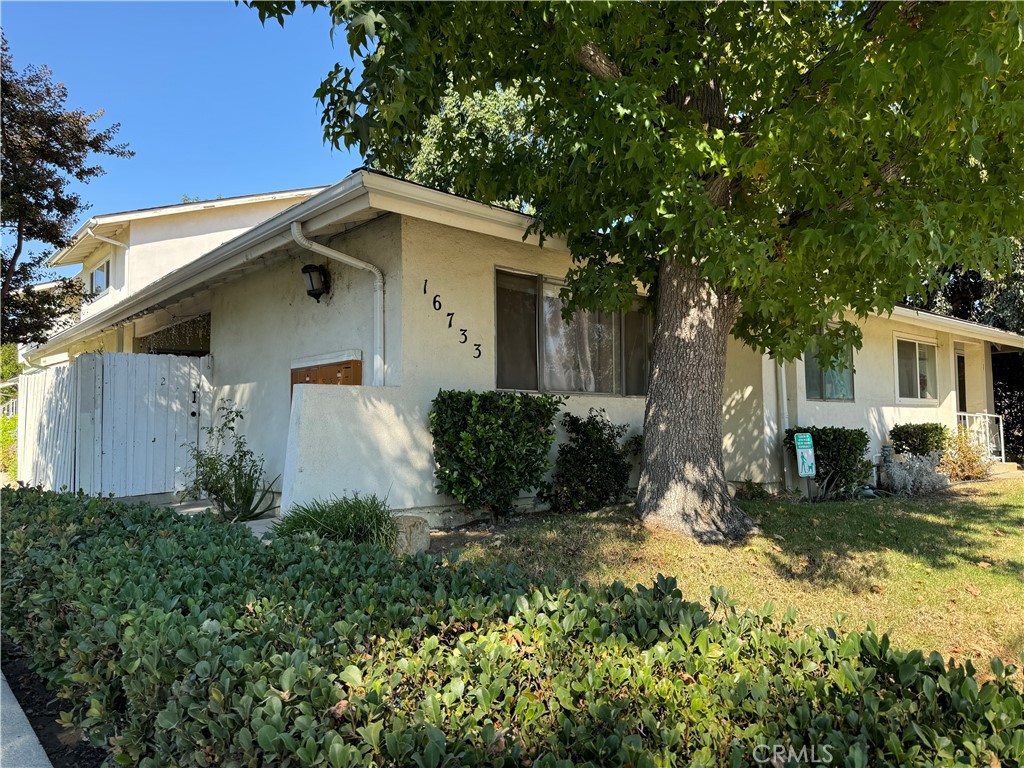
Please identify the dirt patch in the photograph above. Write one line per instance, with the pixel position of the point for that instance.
(66, 748)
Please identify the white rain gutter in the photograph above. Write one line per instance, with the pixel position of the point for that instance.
(780, 378)
(90, 233)
(378, 293)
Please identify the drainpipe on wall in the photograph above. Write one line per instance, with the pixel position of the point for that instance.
(378, 294)
(90, 233)
(780, 377)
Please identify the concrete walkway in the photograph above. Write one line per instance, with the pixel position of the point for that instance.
(19, 747)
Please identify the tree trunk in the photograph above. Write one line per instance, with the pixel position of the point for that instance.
(682, 481)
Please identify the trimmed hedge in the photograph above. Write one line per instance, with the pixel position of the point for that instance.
(839, 454)
(185, 641)
(919, 439)
(491, 446)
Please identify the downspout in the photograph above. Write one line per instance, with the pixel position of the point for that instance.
(90, 233)
(378, 294)
(780, 377)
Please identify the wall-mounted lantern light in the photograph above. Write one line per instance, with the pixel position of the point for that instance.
(318, 281)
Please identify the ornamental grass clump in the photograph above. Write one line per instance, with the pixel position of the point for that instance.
(174, 640)
(358, 519)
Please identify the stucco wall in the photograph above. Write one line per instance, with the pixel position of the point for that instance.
(875, 407)
(264, 321)
(117, 289)
(164, 243)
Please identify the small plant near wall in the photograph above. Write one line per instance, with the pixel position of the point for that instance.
(839, 454)
(358, 519)
(228, 472)
(491, 446)
(964, 459)
(9, 445)
(593, 465)
(919, 439)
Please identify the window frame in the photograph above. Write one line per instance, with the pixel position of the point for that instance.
(917, 341)
(103, 266)
(540, 280)
(822, 371)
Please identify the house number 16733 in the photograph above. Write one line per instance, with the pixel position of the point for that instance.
(438, 305)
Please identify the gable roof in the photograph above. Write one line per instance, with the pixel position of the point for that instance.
(110, 225)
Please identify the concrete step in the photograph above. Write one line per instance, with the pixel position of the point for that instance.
(1005, 468)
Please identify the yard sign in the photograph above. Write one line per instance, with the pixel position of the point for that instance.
(804, 454)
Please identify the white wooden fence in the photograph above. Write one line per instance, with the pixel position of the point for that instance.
(115, 422)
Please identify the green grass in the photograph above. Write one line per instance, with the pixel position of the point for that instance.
(911, 567)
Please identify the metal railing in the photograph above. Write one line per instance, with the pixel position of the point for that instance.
(986, 429)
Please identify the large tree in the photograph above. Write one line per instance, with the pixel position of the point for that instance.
(769, 169)
(44, 146)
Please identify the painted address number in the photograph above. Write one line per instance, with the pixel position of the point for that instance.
(438, 305)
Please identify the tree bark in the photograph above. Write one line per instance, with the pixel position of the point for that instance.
(682, 481)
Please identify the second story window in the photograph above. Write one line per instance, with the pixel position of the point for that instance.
(99, 278)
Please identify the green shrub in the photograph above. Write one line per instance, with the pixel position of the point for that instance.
(592, 468)
(359, 519)
(964, 459)
(228, 472)
(919, 439)
(839, 455)
(181, 641)
(491, 446)
(9, 445)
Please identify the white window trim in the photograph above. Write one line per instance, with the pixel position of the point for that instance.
(105, 266)
(931, 342)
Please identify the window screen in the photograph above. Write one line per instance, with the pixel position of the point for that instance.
(516, 331)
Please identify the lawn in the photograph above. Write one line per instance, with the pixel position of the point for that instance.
(943, 573)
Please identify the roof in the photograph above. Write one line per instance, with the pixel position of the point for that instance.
(110, 225)
(359, 197)
(965, 328)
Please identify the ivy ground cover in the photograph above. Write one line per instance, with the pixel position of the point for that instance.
(184, 641)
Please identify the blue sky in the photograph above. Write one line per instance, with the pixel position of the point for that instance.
(212, 102)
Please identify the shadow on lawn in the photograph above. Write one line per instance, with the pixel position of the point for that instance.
(846, 542)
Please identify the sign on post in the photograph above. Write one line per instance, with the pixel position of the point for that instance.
(804, 454)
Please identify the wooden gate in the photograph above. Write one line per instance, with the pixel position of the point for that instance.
(115, 423)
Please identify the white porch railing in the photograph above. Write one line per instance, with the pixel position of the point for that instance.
(986, 429)
(10, 408)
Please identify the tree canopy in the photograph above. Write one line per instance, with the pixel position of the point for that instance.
(45, 147)
(765, 168)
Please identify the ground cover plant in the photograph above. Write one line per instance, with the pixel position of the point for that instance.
(358, 519)
(184, 641)
(9, 445)
(942, 573)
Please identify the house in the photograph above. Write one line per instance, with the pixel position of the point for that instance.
(394, 291)
(120, 254)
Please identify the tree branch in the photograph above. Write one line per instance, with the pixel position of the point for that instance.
(597, 63)
(5, 291)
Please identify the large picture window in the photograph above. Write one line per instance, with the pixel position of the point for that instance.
(828, 383)
(537, 349)
(915, 370)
